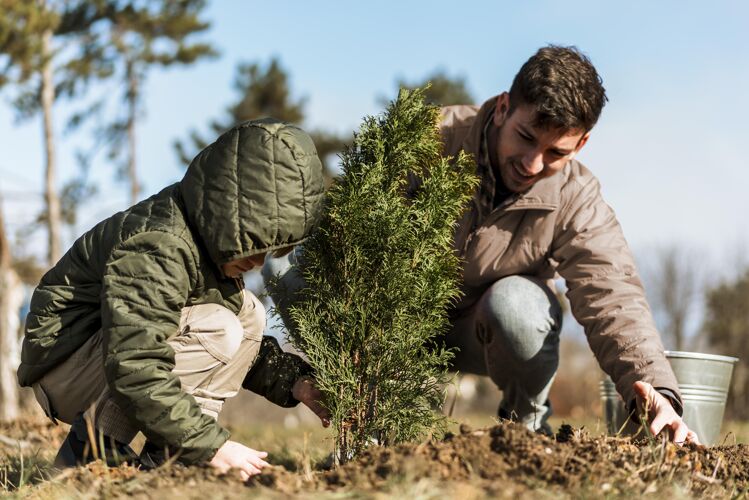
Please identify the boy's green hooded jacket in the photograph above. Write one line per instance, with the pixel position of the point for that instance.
(259, 187)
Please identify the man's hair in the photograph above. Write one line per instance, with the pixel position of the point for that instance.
(563, 87)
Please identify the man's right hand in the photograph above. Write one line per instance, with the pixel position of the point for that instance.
(662, 416)
(233, 455)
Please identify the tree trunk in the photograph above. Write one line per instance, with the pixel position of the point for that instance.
(132, 100)
(9, 352)
(678, 331)
(50, 191)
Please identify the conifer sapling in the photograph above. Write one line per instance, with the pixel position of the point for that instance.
(380, 273)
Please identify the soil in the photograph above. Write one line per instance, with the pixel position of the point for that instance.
(502, 461)
(508, 459)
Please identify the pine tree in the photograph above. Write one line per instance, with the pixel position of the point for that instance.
(380, 274)
(8, 338)
(40, 61)
(31, 62)
(440, 89)
(443, 90)
(263, 91)
(143, 34)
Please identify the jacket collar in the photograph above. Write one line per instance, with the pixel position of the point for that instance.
(543, 195)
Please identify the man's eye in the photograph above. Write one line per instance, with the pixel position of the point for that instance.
(525, 137)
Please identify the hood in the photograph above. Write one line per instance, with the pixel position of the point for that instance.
(257, 188)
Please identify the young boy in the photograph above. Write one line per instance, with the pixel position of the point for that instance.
(145, 325)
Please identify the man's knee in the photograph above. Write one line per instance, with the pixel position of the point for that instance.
(523, 314)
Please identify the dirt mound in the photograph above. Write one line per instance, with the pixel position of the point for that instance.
(508, 459)
(503, 461)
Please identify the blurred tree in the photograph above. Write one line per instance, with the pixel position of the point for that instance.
(673, 281)
(39, 62)
(143, 34)
(263, 91)
(72, 195)
(28, 269)
(444, 90)
(9, 400)
(726, 326)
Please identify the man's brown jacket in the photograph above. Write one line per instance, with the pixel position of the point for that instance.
(561, 225)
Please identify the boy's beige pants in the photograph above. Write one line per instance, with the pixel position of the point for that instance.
(214, 348)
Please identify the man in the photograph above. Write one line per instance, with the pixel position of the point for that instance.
(536, 214)
(539, 213)
(145, 325)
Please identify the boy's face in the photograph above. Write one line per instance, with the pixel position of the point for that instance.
(525, 154)
(236, 268)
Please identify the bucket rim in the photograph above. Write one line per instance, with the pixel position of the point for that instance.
(701, 355)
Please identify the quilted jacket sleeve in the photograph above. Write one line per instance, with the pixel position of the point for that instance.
(145, 286)
(274, 373)
(606, 295)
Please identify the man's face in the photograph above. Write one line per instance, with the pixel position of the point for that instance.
(526, 154)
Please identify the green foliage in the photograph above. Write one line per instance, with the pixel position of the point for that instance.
(443, 90)
(726, 326)
(20, 42)
(22, 55)
(50, 49)
(380, 273)
(263, 91)
(158, 31)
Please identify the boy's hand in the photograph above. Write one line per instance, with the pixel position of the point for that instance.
(233, 455)
(304, 390)
(661, 415)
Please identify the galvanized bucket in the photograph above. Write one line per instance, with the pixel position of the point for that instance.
(703, 380)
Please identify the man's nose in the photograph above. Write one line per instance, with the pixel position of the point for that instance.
(533, 162)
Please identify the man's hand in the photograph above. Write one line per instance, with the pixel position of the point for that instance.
(661, 415)
(233, 455)
(304, 390)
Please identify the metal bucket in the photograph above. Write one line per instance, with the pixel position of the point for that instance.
(703, 380)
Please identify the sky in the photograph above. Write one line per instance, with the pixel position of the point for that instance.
(668, 149)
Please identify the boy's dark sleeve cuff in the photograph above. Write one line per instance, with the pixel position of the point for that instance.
(274, 373)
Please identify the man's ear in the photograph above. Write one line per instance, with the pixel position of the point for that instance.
(502, 109)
